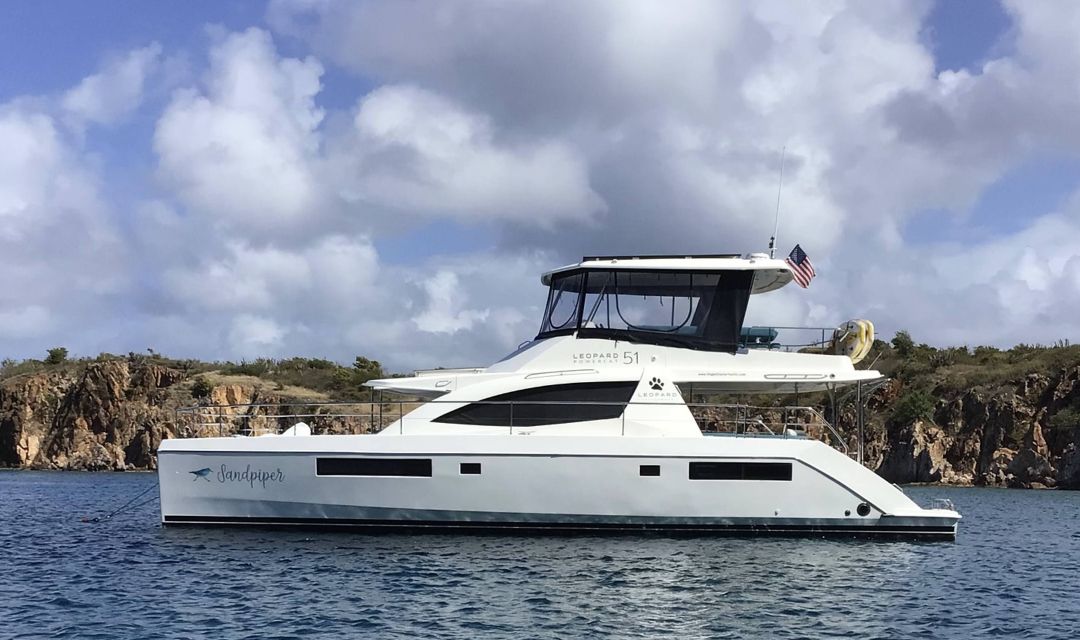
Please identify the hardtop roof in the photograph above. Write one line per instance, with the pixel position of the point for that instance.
(772, 273)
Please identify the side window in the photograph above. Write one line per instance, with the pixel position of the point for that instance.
(556, 404)
(419, 467)
(740, 471)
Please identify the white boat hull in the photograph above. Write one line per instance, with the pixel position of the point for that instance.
(536, 484)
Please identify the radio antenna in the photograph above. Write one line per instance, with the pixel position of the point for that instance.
(779, 188)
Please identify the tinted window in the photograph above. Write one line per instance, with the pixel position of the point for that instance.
(470, 468)
(650, 470)
(373, 467)
(740, 471)
(531, 407)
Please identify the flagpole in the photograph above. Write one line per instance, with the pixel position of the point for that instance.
(779, 188)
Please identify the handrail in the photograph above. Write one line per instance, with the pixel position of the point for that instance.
(746, 419)
(826, 334)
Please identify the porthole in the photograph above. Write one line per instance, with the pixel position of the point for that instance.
(863, 509)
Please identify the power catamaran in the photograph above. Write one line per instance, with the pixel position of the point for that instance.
(590, 426)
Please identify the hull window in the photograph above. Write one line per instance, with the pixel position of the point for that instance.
(740, 471)
(417, 467)
(651, 470)
(470, 468)
(556, 404)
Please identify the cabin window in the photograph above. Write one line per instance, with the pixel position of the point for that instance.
(556, 404)
(650, 470)
(418, 467)
(470, 468)
(740, 471)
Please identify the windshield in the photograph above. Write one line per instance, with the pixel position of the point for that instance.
(682, 308)
(562, 306)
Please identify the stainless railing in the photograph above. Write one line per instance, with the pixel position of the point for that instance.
(746, 419)
(254, 419)
(785, 338)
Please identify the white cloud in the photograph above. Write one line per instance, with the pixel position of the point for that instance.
(116, 91)
(242, 278)
(242, 150)
(60, 253)
(445, 312)
(32, 151)
(254, 336)
(417, 152)
(324, 275)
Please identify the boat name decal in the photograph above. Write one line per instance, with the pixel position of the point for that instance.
(611, 357)
(250, 476)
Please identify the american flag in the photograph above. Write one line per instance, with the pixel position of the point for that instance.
(801, 267)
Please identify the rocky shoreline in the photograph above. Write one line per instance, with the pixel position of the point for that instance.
(111, 415)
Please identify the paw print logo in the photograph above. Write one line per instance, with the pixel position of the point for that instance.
(656, 384)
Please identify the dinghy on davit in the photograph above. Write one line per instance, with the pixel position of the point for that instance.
(590, 426)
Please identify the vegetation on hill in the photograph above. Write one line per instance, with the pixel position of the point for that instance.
(926, 367)
(314, 374)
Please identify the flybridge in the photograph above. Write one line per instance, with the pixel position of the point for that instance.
(694, 302)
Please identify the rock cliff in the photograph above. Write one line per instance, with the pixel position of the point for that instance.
(1005, 435)
(108, 416)
(113, 414)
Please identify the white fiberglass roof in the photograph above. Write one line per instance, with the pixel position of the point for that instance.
(771, 273)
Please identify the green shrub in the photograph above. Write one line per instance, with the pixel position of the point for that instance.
(367, 369)
(57, 355)
(201, 388)
(913, 405)
(903, 344)
(258, 368)
(1067, 418)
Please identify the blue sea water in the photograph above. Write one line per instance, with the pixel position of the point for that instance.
(1014, 572)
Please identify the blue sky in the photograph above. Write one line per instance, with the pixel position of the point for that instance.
(232, 179)
(965, 34)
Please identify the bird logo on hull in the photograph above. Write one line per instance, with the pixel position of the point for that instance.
(200, 473)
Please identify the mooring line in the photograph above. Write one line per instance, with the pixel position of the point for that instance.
(127, 504)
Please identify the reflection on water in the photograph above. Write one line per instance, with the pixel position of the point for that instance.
(1014, 571)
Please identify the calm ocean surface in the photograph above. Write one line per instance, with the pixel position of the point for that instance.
(1014, 572)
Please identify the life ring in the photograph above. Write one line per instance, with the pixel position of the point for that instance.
(853, 339)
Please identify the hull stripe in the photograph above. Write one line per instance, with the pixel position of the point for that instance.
(937, 531)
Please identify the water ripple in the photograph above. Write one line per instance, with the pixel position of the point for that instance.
(1014, 573)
